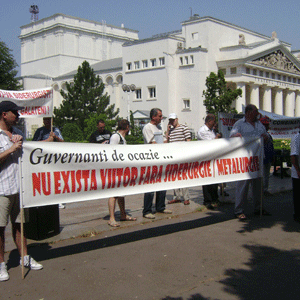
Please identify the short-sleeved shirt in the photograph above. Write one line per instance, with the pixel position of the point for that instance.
(179, 134)
(100, 138)
(153, 133)
(9, 168)
(248, 130)
(43, 133)
(295, 150)
(117, 138)
(204, 133)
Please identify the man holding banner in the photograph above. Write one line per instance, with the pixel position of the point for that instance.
(10, 151)
(249, 126)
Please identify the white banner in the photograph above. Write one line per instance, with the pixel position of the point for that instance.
(37, 103)
(281, 127)
(54, 173)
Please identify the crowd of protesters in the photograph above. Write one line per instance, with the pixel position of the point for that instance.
(249, 126)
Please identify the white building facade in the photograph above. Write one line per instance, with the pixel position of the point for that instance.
(169, 70)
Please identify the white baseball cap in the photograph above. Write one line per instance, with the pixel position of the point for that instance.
(172, 116)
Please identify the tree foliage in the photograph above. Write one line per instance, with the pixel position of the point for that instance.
(8, 80)
(83, 99)
(219, 98)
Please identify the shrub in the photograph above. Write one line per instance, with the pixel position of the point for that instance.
(72, 133)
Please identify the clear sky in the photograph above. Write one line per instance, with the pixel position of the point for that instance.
(151, 17)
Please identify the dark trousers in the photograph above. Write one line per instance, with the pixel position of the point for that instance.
(210, 193)
(160, 204)
(296, 197)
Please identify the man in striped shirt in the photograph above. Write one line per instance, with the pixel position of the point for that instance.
(178, 133)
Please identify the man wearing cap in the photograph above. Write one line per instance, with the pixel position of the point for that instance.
(153, 134)
(178, 133)
(249, 126)
(206, 132)
(10, 150)
(268, 154)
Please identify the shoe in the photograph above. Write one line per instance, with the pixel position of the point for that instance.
(209, 206)
(62, 206)
(174, 201)
(264, 212)
(3, 272)
(149, 216)
(186, 202)
(113, 224)
(242, 217)
(165, 211)
(267, 193)
(30, 263)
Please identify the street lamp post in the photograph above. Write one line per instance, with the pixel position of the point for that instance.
(128, 89)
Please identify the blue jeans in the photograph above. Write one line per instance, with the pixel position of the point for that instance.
(160, 204)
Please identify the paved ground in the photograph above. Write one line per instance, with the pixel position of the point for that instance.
(191, 255)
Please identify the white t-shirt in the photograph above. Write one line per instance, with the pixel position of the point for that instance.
(248, 130)
(116, 139)
(205, 133)
(295, 150)
(153, 133)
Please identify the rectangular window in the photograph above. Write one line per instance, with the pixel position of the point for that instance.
(273, 75)
(195, 36)
(145, 63)
(261, 73)
(152, 92)
(181, 60)
(223, 71)
(247, 70)
(129, 66)
(289, 79)
(162, 61)
(153, 62)
(284, 78)
(254, 72)
(279, 77)
(294, 80)
(267, 74)
(192, 59)
(186, 59)
(186, 104)
(232, 70)
(298, 81)
(136, 65)
(138, 94)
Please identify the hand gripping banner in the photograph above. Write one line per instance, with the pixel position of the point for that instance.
(54, 173)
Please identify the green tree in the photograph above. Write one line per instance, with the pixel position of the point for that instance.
(219, 98)
(84, 98)
(8, 80)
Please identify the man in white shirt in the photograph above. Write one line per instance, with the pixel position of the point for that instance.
(153, 134)
(10, 150)
(249, 126)
(206, 132)
(295, 159)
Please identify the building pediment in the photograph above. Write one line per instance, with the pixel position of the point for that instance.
(277, 60)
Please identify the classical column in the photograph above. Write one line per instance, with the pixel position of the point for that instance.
(254, 95)
(289, 105)
(297, 104)
(241, 101)
(278, 105)
(267, 99)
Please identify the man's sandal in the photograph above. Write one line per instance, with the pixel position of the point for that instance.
(241, 217)
(113, 224)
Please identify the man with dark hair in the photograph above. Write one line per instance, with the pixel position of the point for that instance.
(153, 134)
(119, 138)
(45, 133)
(101, 135)
(10, 150)
(206, 132)
(249, 126)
